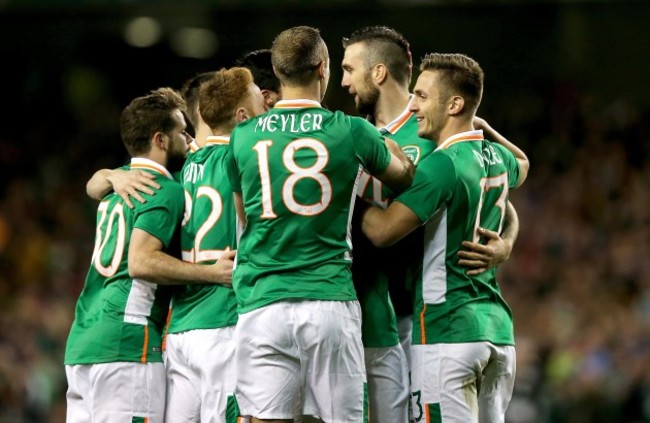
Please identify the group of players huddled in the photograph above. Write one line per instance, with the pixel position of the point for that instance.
(304, 265)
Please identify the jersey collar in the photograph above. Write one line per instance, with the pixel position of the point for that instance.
(194, 147)
(400, 120)
(141, 163)
(217, 140)
(476, 135)
(296, 104)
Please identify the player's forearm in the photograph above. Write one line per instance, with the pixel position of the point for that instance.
(510, 227)
(99, 185)
(399, 174)
(161, 268)
(375, 227)
(493, 135)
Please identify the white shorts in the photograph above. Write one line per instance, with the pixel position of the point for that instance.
(120, 392)
(388, 384)
(201, 376)
(304, 355)
(405, 333)
(464, 383)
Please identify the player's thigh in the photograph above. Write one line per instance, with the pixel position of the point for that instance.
(267, 362)
(329, 335)
(78, 397)
(183, 382)
(125, 392)
(405, 333)
(388, 387)
(444, 381)
(497, 384)
(212, 356)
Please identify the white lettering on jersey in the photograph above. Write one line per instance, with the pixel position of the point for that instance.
(290, 123)
(489, 156)
(193, 173)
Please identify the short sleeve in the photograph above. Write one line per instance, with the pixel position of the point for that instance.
(369, 146)
(162, 213)
(433, 185)
(511, 163)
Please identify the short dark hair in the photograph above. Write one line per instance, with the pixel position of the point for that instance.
(296, 53)
(145, 116)
(190, 93)
(260, 65)
(461, 75)
(385, 45)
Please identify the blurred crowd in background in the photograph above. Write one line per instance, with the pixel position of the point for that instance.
(578, 280)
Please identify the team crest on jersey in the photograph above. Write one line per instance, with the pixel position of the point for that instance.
(412, 152)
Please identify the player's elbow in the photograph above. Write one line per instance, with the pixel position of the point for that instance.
(138, 268)
(380, 238)
(92, 192)
(137, 271)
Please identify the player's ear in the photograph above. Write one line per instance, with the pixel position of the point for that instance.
(455, 105)
(269, 99)
(241, 114)
(158, 140)
(323, 69)
(379, 73)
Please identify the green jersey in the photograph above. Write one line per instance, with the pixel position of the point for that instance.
(404, 269)
(376, 270)
(296, 168)
(465, 183)
(207, 232)
(118, 318)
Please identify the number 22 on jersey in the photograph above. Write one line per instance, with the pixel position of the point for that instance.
(197, 254)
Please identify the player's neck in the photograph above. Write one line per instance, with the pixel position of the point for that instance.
(223, 130)
(310, 92)
(157, 155)
(391, 103)
(202, 133)
(454, 126)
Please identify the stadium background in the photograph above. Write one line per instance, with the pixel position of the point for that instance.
(567, 81)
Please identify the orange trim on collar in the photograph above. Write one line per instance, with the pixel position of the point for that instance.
(396, 127)
(453, 141)
(296, 104)
(146, 166)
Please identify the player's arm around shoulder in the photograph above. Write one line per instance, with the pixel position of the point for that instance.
(433, 184)
(519, 155)
(124, 182)
(385, 227)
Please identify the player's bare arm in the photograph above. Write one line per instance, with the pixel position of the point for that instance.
(398, 176)
(148, 261)
(493, 135)
(125, 183)
(385, 227)
(478, 257)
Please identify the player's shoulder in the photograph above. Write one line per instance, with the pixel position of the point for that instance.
(168, 187)
(359, 124)
(439, 161)
(497, 148)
